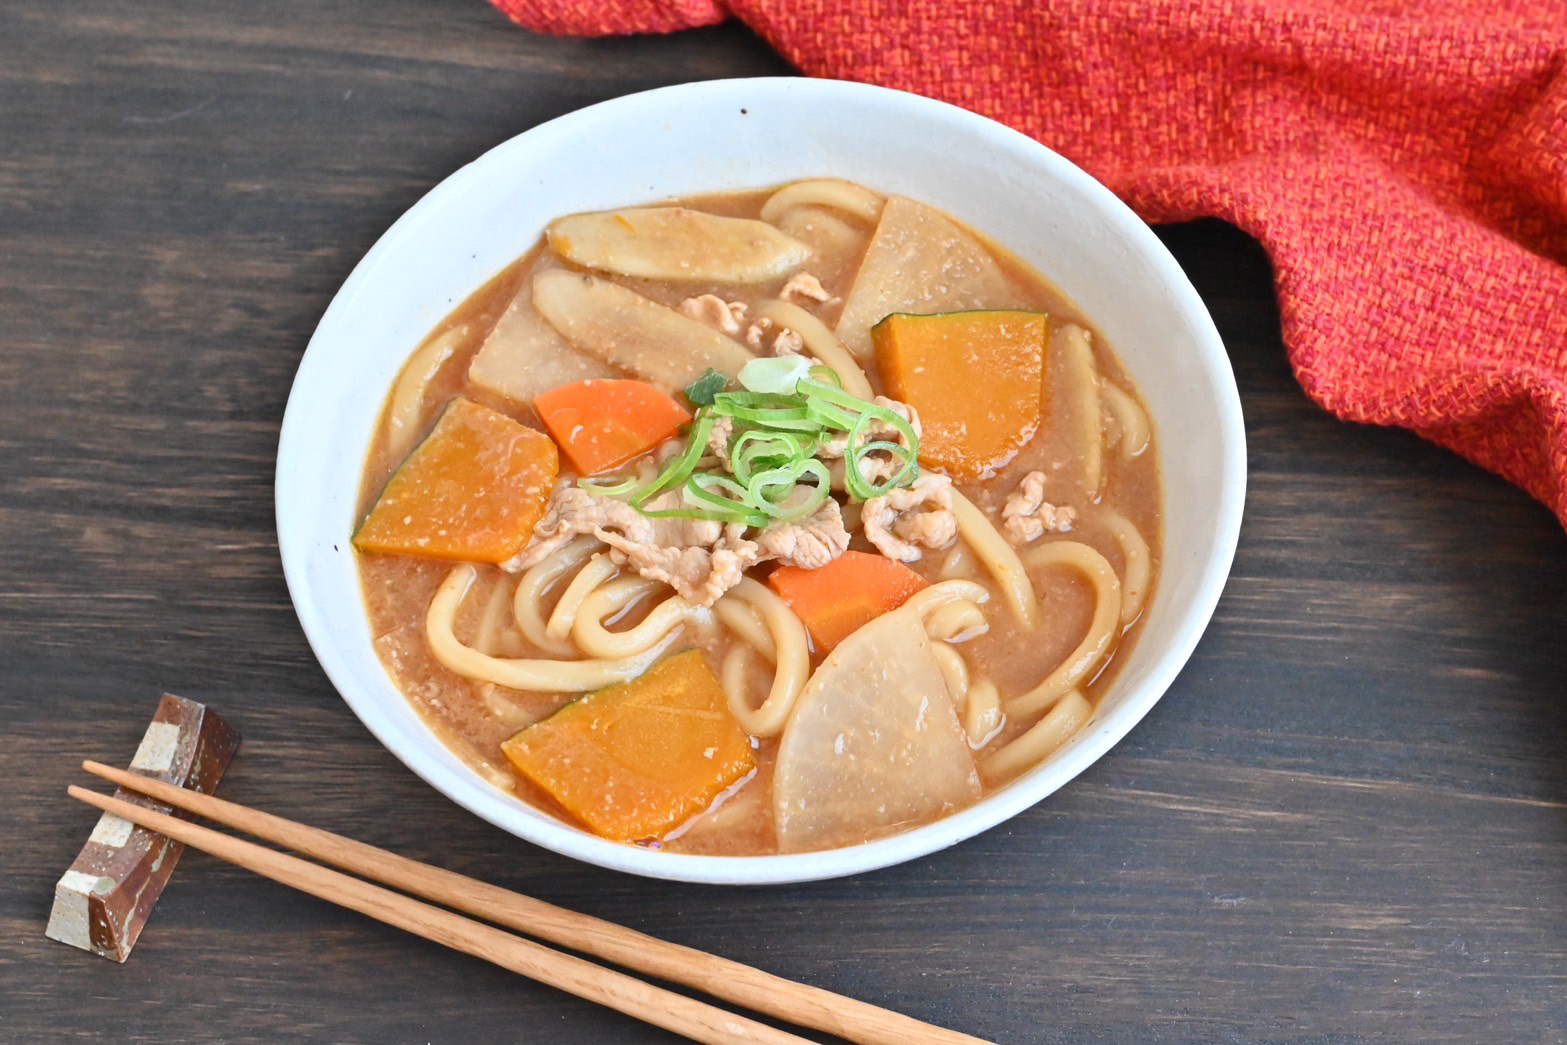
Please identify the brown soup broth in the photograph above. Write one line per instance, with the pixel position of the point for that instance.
(473, 718)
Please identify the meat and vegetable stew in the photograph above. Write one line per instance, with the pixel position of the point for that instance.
(765, 522)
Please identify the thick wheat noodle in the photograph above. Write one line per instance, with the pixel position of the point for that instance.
(609, 599)
(527, 601)
(942, 593)
(542, 676)
(1130, 418)
(1078, 666)
(791, 660)
(823, 192)
(734, 674)
(954, 672)
(1080, 377)
(487, 636)
(1000, 558)
(1137, 570)
(982, 716)
(819, 342)
(741, 619)
(975, 698)
(408, 394)
(594, 573)
(956, 621)
(1069, 715)
(827, 232)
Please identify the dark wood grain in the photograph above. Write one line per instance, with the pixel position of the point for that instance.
(1347, 820)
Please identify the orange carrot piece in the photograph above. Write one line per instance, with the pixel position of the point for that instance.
(473, 490)
(976, 378)
(602, 423)
(848, 593)
(639, 758)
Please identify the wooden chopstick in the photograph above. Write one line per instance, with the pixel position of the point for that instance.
(730, 980)
(694, 1019)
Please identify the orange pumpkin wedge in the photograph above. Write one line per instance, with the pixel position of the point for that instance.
(976, 378)
(639, 758)
(472, 490)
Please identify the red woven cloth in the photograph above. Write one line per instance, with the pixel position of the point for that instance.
(1406, 172)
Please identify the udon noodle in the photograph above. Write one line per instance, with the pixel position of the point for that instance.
(890, 615)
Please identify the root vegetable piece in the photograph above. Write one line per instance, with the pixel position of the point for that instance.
(873, 745)
(845, 595)
(626, 330)
(636, 759)
(601, 424)
(920, 260)
(104, 900)
(676, 243)
(473, 490)
(523, 355)
(976, 378)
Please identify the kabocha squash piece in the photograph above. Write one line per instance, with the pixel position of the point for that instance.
(637, 759)
(976, 378)
(676, 243)
(848, 593)
(473, 490)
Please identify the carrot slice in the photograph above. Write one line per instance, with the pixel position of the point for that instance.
(473, 490)
(636, 759)
(845, 595)
(976, 378)
(602, 423)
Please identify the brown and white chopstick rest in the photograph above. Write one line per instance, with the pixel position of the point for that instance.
(104, 900)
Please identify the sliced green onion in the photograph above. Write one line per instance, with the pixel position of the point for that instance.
(726, 401)
(826, 374)
(679, 468)
(861, 488)
(784, 411)
(756, 450)
(793, 420)
(737, 506)
(610, 485)
(787, 481)
(835, 395)
(829, 415)
(776, 374)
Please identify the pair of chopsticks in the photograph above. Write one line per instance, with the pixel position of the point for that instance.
(731, 981)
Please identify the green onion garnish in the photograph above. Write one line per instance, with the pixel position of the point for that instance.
(785, 412)
(778, 374)
(701, 391)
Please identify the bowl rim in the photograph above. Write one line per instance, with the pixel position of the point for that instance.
(296, 445)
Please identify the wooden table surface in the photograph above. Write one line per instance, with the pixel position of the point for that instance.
(1345, 821)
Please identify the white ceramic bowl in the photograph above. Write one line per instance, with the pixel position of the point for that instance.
(741, 134)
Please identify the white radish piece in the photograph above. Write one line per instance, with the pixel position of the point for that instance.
(920, 261)
(873, 744)
(523, 355)
(676, 243)
(625, 329)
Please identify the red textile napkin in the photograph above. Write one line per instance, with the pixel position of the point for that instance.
(1407, 172)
